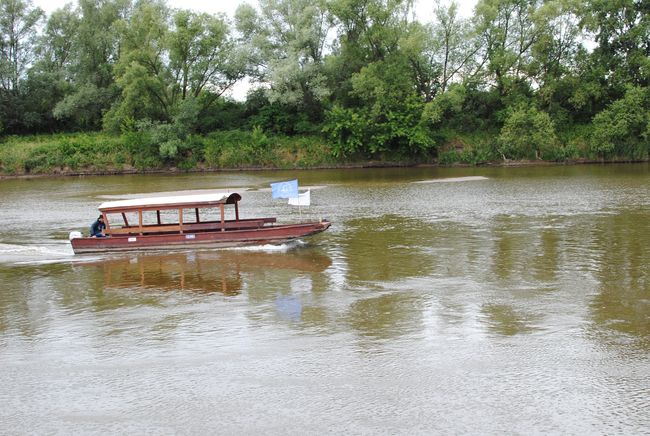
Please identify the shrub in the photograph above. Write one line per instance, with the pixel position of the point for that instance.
(169, 149)
(527, 134)
(623, 129)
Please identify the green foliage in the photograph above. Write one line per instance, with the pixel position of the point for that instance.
(527, 134)
(481, 153)
(173, 66)
(19, 24)
(236, 149)
(169, 149)
(254, 149)
(87, 60)
(623, 129)
(58, 153)
(85, 106)
(621, 28)
(446, 105)
(390, 118)
(223, 114)
(467, 149)
(286, 44)
(514, 81)
(19, 20)
(346, 129)
(276, 117)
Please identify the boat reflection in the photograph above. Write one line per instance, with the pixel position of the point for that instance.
(220, 271)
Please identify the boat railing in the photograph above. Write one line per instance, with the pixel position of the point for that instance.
(191, 227)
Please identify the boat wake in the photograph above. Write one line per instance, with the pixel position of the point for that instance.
(53, 252)
(61, 252)
(282, 248)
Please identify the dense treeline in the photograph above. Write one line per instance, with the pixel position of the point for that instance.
(347, 79)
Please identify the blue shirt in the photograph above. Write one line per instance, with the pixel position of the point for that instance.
(97, 227)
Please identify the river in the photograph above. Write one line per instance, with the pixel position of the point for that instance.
(441, 301)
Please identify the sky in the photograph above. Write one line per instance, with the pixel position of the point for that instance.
(423, 8)
(423, 11)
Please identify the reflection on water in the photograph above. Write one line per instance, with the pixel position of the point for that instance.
(388, 248)
(200, 271)
(514, 300)
(622, 303)
(386, 316)
(506, 320)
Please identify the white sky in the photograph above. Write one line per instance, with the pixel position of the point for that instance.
(423, 11)
(423, 8)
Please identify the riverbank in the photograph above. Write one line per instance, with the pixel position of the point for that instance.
(98, 153)
(359, 165)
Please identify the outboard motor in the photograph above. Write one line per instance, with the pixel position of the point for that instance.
(74, 235)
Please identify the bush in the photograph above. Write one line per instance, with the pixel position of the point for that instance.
(240, 149)
(473, 149)
(53, 153)
(371, 131)
(527, 134)
(623, 129)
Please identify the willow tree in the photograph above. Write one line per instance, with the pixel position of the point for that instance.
(509, 29)
(442, 52)
(49, 78)
(622, 33)
(381, 102)
(367, 31)
(288, 41)
(18, 22)
(95, 48)
(172, 65)
(18, 33)
(555, 68)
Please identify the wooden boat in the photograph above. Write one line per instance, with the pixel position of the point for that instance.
(189, 221)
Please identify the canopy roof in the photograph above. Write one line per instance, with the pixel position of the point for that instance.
(173, 202)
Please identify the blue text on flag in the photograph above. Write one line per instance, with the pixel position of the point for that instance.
(288, 189)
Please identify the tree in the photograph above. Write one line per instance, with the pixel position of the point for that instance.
(554, 70)
(55, 48)
(509, 29)
(169, 58)
(18, 24)
(555, 49)
(621, 29)
(385, 80)
(142, 75)
(368, 31)
(454, 47)
(203, 58)
(95, 50)
(390, 119)
(49, 79)
(288, 40)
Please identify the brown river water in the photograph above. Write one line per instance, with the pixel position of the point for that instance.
(441, 301)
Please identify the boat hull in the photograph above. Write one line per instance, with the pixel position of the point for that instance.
(276, 234)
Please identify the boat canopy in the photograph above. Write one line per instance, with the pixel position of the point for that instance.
(173, 202)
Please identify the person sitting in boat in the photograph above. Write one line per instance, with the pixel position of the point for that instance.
(97, 228)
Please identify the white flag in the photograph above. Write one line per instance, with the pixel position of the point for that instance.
(303, 199)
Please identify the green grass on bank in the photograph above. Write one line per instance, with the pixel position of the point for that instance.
(139, 151)
(46, 154)
(105, 153)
